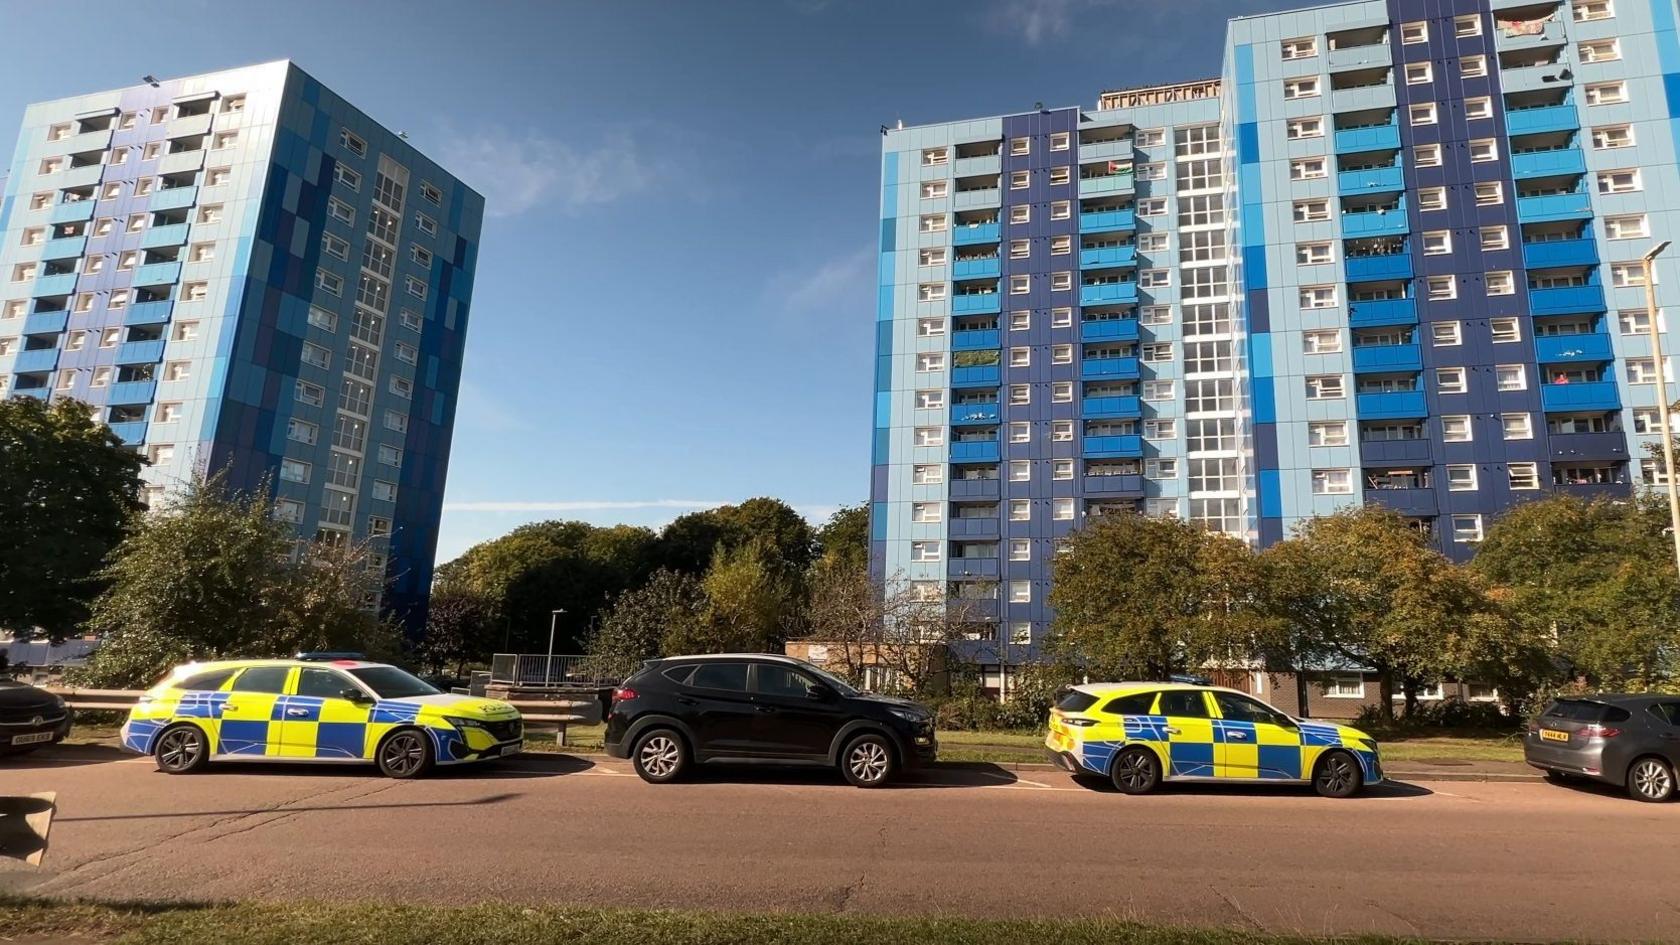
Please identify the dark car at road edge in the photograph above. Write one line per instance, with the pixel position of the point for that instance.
(759, 708)
(30, 718)
(1631, 741)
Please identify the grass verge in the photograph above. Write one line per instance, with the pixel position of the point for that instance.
(386, 924)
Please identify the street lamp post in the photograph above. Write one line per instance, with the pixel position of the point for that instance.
(1662, 397)
(548, 666)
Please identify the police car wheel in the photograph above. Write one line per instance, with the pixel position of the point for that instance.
(405, 753)
(181, 749)
(1136, 771)
(659, 756)
(1337, 775)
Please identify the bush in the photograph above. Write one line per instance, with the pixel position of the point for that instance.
(1443, 715)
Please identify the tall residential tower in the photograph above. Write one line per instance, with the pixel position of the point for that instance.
(243, 273)
(1390, 256)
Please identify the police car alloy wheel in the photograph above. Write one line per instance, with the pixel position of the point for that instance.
(1136, 771)
(181, 749)
(1337, 775)
(405, 754)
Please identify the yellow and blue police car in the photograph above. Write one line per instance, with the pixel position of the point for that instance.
(1139, 734)
(336, 711)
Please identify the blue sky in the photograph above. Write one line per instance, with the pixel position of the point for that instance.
(674, 303)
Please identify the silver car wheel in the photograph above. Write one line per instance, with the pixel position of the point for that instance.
(1651, 778)
(868, 761)
(660, 756)
(403, 754)
(179, 748)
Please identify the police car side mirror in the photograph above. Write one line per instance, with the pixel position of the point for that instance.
(357, 696)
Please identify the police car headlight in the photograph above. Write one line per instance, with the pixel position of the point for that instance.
(464, 724)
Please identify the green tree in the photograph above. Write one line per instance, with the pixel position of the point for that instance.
(843, 540)
(662, 617)
(214, 575)
(750, 606)
(1595, 578)
(68, 487)
(1141, 597)
(691, 542)
(460, 629)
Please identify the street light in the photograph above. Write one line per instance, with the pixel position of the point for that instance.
(1662, 397)
(548, 665)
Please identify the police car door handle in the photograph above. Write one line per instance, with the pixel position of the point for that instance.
(1236, 736)
(297, 713)
(1171, 730)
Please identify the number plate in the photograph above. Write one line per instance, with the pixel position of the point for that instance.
(1553, 735)
(34, 739)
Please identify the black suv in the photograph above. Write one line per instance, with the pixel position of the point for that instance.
(756, 708)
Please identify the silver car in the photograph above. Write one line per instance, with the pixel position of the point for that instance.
(1631, 741)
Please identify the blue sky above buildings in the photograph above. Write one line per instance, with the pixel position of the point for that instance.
(674, 304)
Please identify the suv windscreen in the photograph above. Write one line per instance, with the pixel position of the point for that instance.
(719, 675)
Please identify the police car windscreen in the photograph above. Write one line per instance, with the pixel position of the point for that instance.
(389, 682)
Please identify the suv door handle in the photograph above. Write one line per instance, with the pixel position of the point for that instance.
(767, 709)
(684, 700)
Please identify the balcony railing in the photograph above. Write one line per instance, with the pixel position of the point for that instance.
(1106, 184)
(1124, 446)
(173, 234)
(149, 313)
(1566, 300)
(1384, 452)
(1104, 257)
(64, 247)
(1109, 293)
(1377, 359)
(1590, 348)
(978, 451)
(969, 234)
(1528, 121)
(1121, 149)
(1353, 57)
(1374, 268)
(161, 273)
(1550, 207)
(31, 362)
(975, 413)
(62, 284)
(1566, 448)
(1588, 395)
(977, 166)
(1392, 405)
(45, 323)
(975, 489)
(1369, 138)
(1120, 406)
(1371, 180)
(1546, 254)
(974, 339)
(140, 352)
(132, 392)
(74, 212)
(1548, 163)
(1114, 485)
(174, 198)
(1405, 501)
(1112, 329)
(978, 303)
(985, 268)
(132, 433)
(1379, 312)
(1122, 368)
(1107, 221)
(980, 375)
(1390, 222)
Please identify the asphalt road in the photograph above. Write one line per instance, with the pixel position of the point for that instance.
(1445, 859)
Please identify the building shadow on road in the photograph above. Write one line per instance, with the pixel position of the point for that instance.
(63, 756)
(1388, 790)
(485, 801)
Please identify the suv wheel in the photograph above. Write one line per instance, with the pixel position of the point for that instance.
(1136, 771)
(867, 761)
(659, 756)
(1650, 779)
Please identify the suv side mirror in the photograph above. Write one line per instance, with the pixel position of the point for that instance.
(819, 693)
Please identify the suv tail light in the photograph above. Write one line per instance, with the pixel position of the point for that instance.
(1599, 731)
(623, 693)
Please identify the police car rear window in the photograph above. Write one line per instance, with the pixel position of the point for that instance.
(205, 682)
(1138, 703)
(1585, 710)
(1076, 701)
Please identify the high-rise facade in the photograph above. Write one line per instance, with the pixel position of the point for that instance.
(1391, 255)
(244, 274)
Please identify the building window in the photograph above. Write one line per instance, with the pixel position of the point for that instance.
(1504, 330)
(1516, 426)
(1500, 283)
(352, 143)
(1343, 686)
(1471, 67)
(1304, 47)
(1468, 25)
(1061, 509)
(1020, 549)
(933, 157)
(1461, 478)
(302, 431)
(1523, 477)
(1627, 227)
(1314, 168)
(1510, 377)
(1610, 137)
(1061, 469)
(1599, 50)
(1483, 150)
(1442, 287)
(1327, 433)
(1312, 211)
(1606, 93)
(1456, 429)
(1414, 32)
(1494, 238)
(1432, 198)
(1061, 209)
(1332, 482)
(1304, 87)
(1422, 113)
(927, 475)
(293, 470)
(1589, 10)
(1619, 182)
(1489, 193)
(1060, 141)
(1060, 175)
(1321, 341)
(1450, 381)
(1312, 254)
(1160, 468)
(1020, 395)
(1418, 73)
(1304, 128)
(1061, 392)
(1020, 145)
(1466, 529)
(1427, 155)
(1325, 387)
(1437, 243)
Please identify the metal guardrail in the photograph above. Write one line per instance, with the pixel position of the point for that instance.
(540, 671)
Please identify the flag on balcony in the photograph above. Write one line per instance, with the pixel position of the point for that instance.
(1525, 27)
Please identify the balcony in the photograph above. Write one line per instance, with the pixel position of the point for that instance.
(1379, 312)
(189, 126)
(39, 393)
(1373, 268)
(977, 166)
(1370, 180)
(1548, 163)
(1385, 452)
(1116, 407)
(32, 362)
(975, 489)
(1576, 252)
(45, 323)
(1528, 121)
(148, 313)
(1551, 34)
(174, 234)
(1111, 329)
(1109, 293)
(181, 161)
(1370, 138)
(970, 234)
(1106, 184)
(1592, 395)
(132, 433)
(974, 339)
(977, 199)
(84, 176)
(1383, 359)
(978, 451)
(1592, 348)
(1567, 300)
(86, 141)
(1362, 98)
(174, 198)
(973, 568)
(1587, 491)
(986, 527)
(1552, 207)
(980, 375)
(1124, 486)
(61, 284)
(1392, 405)
(1120, 148)
(1390, 222)
(132, 392)
(1354, 57)
(1107, 221)
(140, 352)
(977, 303)
(162, 273)
(1570, 447)
(1129, 446)
(974, 413)
(1107, 257)
(78, 211)
(1404, 501)
(1121, 368)
(984, 268)
(1548, 75)
(64, 247)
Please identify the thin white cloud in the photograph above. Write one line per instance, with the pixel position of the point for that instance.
(520, 171)
(849, 277)
(1038, 20)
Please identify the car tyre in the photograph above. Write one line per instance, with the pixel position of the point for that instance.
(181, 749)
(659, 756)
(867, 761)
(405, 754)
(1136, 771)
(1337, 774)
(1650, 779)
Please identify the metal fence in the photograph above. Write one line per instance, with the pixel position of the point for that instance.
(538, 671)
